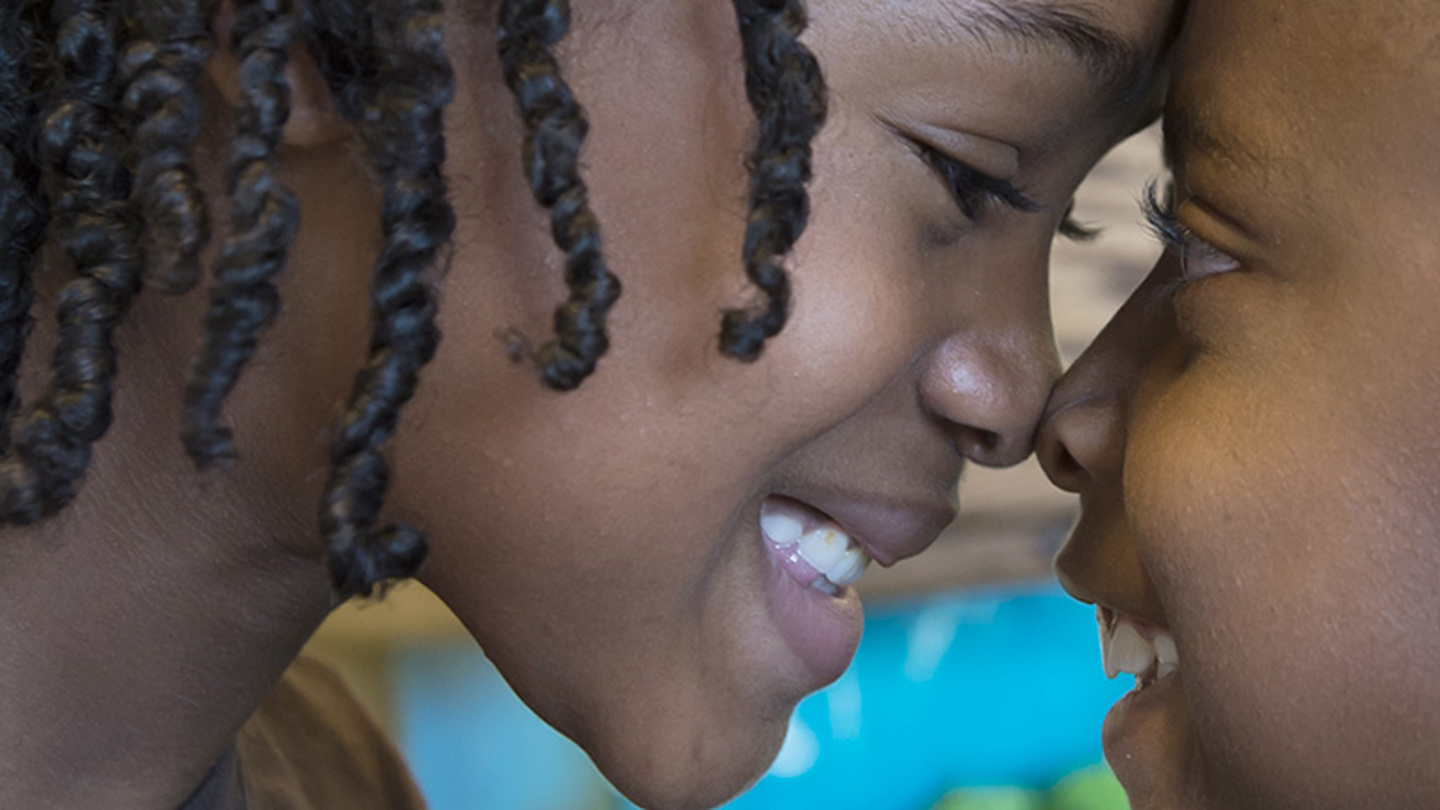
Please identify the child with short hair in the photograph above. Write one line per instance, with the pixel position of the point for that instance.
(1254, 437)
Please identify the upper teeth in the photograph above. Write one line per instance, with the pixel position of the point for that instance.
(1126, 649)
(827, 549)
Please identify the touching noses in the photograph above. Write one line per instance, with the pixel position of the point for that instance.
(992, 392)
(1081, 441)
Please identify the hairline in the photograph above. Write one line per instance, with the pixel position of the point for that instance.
(1073, 29)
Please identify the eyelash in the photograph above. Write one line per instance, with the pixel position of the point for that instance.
(972, 190)
(1179, 241)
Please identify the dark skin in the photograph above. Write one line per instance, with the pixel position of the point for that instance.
(1253, 437)
(603, 545)
(153, 615)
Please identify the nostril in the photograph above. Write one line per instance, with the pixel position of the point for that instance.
(1066, 464)
(986, 442)
(990, 448)
(1067, 446)
(1060, 464)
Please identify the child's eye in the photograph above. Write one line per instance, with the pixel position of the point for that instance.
(1198, 258)
(973, 190)
(1075, 230)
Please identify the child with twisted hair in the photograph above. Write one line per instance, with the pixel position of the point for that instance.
(654, 540)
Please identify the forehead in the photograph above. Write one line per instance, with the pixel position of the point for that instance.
(1112, 38)
(1100, 57)
(1132, 19)
(1266, 82)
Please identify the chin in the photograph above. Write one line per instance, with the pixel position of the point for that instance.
(704, 771)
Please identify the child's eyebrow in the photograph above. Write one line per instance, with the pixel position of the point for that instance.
(1186, 133)
(1072, 29)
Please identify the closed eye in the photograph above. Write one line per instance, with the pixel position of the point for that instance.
(971, 189)
(1198, 258)
(1075, 230)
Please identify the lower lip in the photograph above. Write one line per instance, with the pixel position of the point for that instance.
(1139, 734)
(822, 630)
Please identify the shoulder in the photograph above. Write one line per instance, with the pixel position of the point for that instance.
(310, 746)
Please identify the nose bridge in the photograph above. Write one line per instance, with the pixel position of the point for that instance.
(990, 377)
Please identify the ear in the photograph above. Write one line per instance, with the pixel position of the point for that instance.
(314, 119)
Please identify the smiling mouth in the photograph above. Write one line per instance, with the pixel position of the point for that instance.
(1137, 649)
(812, 547)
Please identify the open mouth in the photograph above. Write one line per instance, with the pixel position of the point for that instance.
(816, 547)
(1127, 646)
(811, 547)
(1146, 734)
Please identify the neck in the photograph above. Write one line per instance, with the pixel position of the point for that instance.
(143, 625)
(138, 637)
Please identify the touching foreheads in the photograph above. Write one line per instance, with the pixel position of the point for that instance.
(100, 110)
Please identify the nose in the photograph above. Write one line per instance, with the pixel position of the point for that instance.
(991, 389)
(1081, 441)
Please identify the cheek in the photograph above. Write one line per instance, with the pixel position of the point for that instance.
(621, 455)
(1294, 549)
(867, 292)
(641, 472)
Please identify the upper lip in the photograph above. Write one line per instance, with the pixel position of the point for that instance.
(1120, 585)
(888, 528)
(1146, 626)
(1134, 613)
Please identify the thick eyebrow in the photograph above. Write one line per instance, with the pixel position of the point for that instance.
(1187, 133)
(1073, 29)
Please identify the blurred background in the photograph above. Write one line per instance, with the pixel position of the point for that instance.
(978, 685)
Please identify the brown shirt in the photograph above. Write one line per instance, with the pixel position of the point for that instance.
(310, 746)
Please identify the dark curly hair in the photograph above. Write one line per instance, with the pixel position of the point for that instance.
(263, 220)
(555, 129)
(23, 210)
(787, 91)
(172, 41)
(100, 110)
(78, 143)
